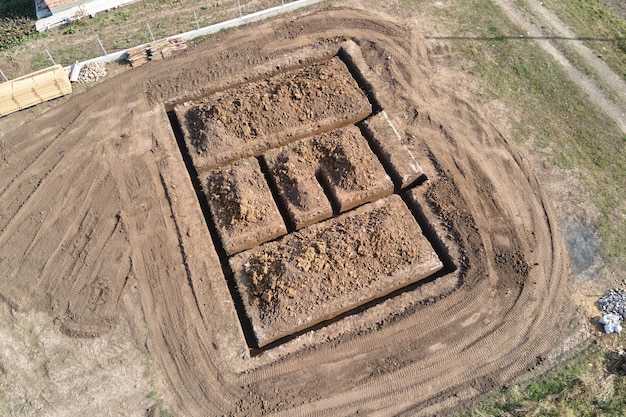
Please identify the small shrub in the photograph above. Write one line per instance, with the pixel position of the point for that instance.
(71, 29)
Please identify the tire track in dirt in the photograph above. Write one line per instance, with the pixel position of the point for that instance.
(408, 375)
(438, 324)
(47, 176)
(165, 294)
(26, 152)
(409, 378)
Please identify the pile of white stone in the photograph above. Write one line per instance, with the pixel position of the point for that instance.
(613, 305)
(92, 72)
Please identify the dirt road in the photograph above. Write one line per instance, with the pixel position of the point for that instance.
(608, 93)
(99, 204)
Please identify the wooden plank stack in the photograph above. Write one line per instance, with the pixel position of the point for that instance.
(34, 88)
(137, 56)
(154, 51)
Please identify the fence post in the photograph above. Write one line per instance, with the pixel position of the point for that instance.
(239, 5)
(150, 30)
(101, 46)
(196, 17)
(4, 76)
(50, 56)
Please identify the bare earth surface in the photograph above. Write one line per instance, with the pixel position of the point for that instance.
(101, 228)
(324, 271)
(257, 115)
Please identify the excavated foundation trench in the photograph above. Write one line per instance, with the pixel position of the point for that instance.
(308, 180)
(304, 266)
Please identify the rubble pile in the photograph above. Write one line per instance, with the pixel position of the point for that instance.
(613, 305)
(614, 301)
(92, 72)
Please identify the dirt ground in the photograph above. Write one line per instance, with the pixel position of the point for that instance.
(326, 270)
(105, 249)
(271, 112)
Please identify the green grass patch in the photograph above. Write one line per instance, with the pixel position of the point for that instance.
(554, 111)
(17, 9)
(40, 61)
(17, 22)
(583, 388)
(603, 30)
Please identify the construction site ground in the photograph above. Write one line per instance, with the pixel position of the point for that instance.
(121, 298)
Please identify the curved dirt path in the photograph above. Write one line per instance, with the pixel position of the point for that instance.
(98, 196)
(613, 106)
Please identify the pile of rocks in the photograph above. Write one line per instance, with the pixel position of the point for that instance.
(613, 305)
(92, 72)
(614, 302)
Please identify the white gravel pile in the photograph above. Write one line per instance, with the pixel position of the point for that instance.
(613, 305)
(92, 72)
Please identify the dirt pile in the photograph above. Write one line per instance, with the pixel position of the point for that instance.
(332, 267)
(289, 286)
(260, 115)
(242, 206)
(340, 161)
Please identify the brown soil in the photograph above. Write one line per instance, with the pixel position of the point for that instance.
(389, 145)
(260, 115)
(96, 197)
(298, 187)
(343, 161)
(242, 206)
(332, 267)
(357, 258)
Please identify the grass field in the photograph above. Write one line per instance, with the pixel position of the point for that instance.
(554, 111)
(604, 30)
(16, 22)
(584, 387)
(23, 50)
(556, 114)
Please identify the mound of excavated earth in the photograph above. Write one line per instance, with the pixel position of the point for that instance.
(337, 265)
(339, 161)
(256, 116)
(310, 221)
(242, 206)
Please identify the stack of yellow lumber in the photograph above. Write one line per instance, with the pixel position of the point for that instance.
(33, 88)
